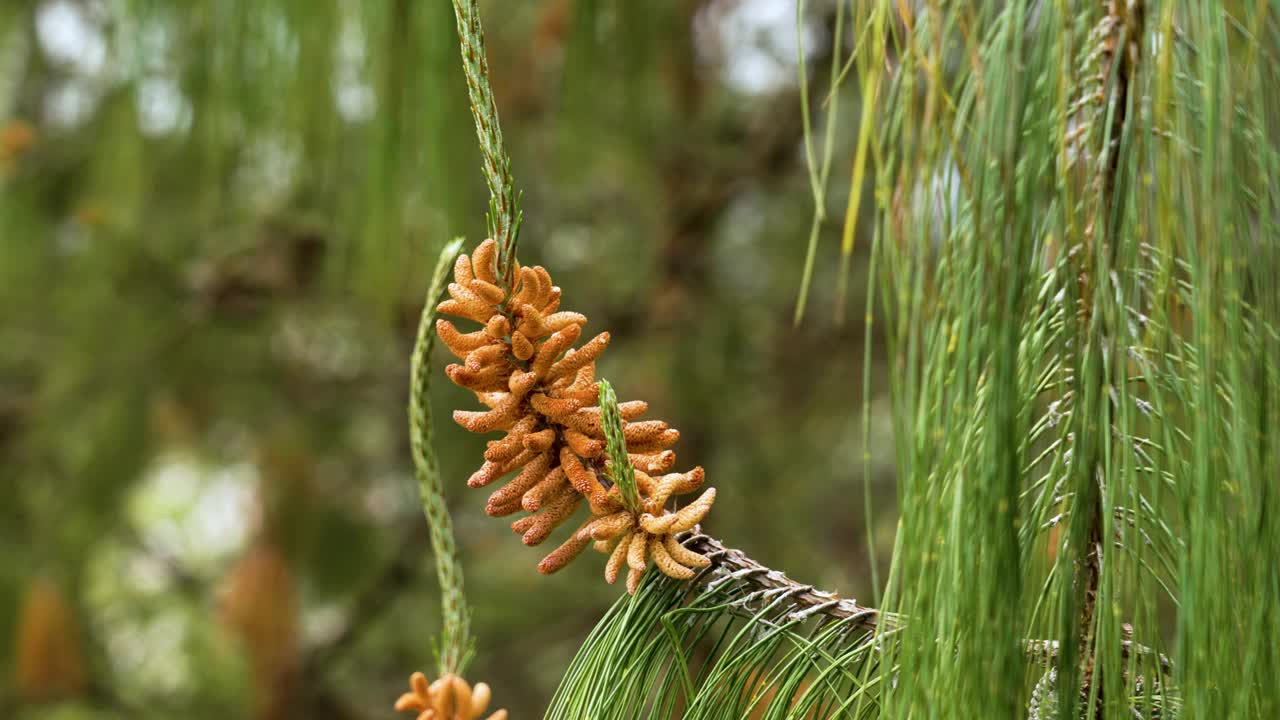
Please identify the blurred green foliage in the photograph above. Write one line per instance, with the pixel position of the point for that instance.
(217, 220)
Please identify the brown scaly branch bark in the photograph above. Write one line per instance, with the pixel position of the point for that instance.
(1116, 48)
(765, 584)
(732, 565)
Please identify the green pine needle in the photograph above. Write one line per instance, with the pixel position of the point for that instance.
(723, 649)
(620, 470)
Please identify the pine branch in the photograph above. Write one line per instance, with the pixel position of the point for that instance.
(732, 565)
(1116, 47)
(766, 585)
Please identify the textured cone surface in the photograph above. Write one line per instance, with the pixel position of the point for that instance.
(519, 359)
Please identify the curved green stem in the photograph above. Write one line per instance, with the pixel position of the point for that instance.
(455, 634)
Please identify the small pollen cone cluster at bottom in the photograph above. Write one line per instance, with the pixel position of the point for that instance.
(543, 394)
(448, 698)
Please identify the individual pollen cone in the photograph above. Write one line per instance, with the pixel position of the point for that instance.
(674, 522)
(553, 484)
(47, 657)
(532, 474)
(448, 698)
(463, 344)
(520, 362)
(632, 547)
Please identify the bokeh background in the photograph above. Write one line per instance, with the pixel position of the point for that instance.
(217, 218)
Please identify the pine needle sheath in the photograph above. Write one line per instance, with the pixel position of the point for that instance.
(455, 634)
(1113, 53)
(620, 470)
(731, 564)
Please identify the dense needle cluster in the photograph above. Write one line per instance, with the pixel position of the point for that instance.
(448, 698)
(543, 394)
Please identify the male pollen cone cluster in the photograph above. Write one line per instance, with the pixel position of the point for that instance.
(543, 394)
(448, 698)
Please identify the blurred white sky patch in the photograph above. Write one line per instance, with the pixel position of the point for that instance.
(74, 37)
(69, 36)
(199, 515)
(154, 650)
(322, 622)
(756, 41)
(270, 168)
(162, 108)
(940, 203)
(75, 41)
(355, 97)
(70, 103)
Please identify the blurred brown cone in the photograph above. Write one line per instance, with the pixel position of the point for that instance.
(16, 138)
(47, 654)
(258, 606)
